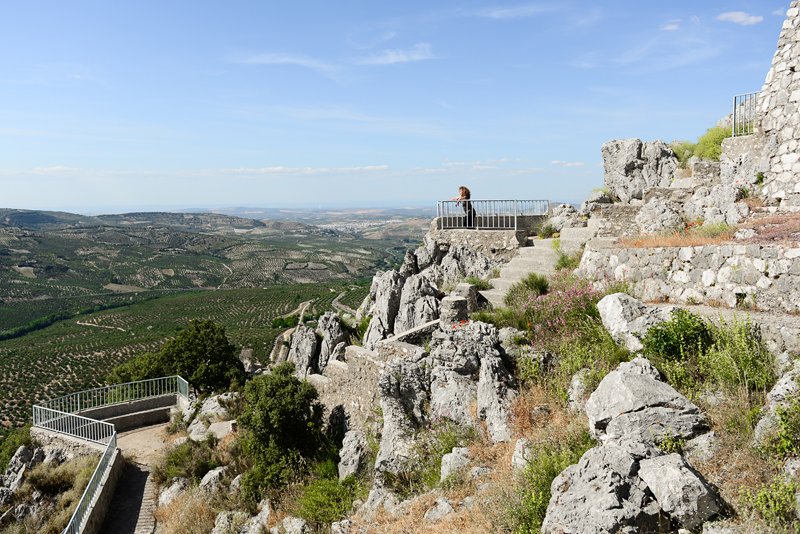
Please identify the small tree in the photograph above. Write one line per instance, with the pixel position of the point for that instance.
(284, 422)
(142, 367)
(203, 355)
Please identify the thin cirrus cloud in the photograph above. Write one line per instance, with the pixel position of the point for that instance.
(288, 59)
(779, 12)
(418, 52)
(568, 163)
(740, 17)
(483, 164)
(525, 10)
(671, 26)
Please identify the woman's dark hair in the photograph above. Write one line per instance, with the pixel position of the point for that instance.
(464, 191)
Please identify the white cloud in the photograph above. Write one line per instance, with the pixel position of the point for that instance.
(527, 10)
(287, 59)
(568, 163)
(740, 17)
(54, 169)
(670, 27)
(418, 52)
(780, 12)
(482, 164)
(695, 19)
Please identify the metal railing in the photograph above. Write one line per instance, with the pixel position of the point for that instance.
(118, 393)
(59, 415)
(78, 517)
(745, 108)
(487, 214)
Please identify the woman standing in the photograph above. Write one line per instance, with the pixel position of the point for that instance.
(469, 211)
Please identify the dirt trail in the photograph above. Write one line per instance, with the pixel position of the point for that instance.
(131, 510)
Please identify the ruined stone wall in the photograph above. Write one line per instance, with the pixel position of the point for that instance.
(767, 277)
(779, 125)
(496, 244)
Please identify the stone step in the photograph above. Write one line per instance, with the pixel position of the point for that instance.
(532, 264)
(577, 234)
(535, 252)
(494, 296)
(519, 274)
(504, 284)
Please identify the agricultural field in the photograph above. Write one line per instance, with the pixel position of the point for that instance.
(78, 353)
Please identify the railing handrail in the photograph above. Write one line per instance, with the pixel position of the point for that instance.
(68, 422)
(132, 394)
(487, 214)
(745, 109)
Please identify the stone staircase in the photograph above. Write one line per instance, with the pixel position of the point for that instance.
(537, 257)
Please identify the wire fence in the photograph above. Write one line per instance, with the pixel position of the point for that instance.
(59, 415)
(488, 214)
(745, 108)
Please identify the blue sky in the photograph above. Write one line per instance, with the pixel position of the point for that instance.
(165, 105)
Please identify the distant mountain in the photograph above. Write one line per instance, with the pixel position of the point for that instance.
(213, 222)
(44, 220)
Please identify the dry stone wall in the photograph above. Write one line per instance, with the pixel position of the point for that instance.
(726, 275)
(780, 117)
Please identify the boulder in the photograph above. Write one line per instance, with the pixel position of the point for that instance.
(519, 460)
(20, 459)
(222, 429)
(576, 393)
(462, 261)
(628, 320)
(6, 495)
(54, 456)
(258, 523)
(410, 266)
(403, 389)
(418, 303)
(658, 216)
(631, 166)
(430, 253)
(330, 330)
(680, 491)
(214, 407)
(228, 522)
(212, 481)
(718, 204)
(596, 200)
(496, 391)
(453, 462)
(469, 292)
(353, 454)
(197, 431)
(702, 448)
(562, 216)
(454, 311)
(443, 508)
(785, 389)
(176, 489)
(295, 525)
(637, 406)
(603, 493)
(342, 527)
(304, 352)
(385, 293)
(452, 394)
(375, 332)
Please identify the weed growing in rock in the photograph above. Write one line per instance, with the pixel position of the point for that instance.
(326, 499)
(543, 466)
(547, 231)
(191, 460)
(786, 440)
(190, 513)
(774, 502)
(739, 358)
(481, 283)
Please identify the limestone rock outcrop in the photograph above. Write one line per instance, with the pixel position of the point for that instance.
(631, 166)
(628, 320)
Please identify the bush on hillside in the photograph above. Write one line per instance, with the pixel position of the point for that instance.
(201, 354)
(12, 442)
(283, 419)
(708, 146)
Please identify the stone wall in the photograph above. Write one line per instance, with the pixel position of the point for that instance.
(779, 120)
(767, 277)
(496, 244)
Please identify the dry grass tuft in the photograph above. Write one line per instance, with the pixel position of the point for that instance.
(190, 513)
(777, 229)
(678, 239)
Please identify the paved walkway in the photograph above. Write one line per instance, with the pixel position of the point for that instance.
(135, 499)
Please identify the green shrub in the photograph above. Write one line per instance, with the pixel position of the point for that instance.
(327, 499)
(774, 502)
(738, 357)
(283, 419)
(683, 151)
(534, 490)
(786, 440)
(191, 460)
(142, 367)
(709, 145)
(674, 347)
(12, 442)
(481, 284)
(547, 231)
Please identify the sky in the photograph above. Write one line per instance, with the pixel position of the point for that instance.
(121, 106)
